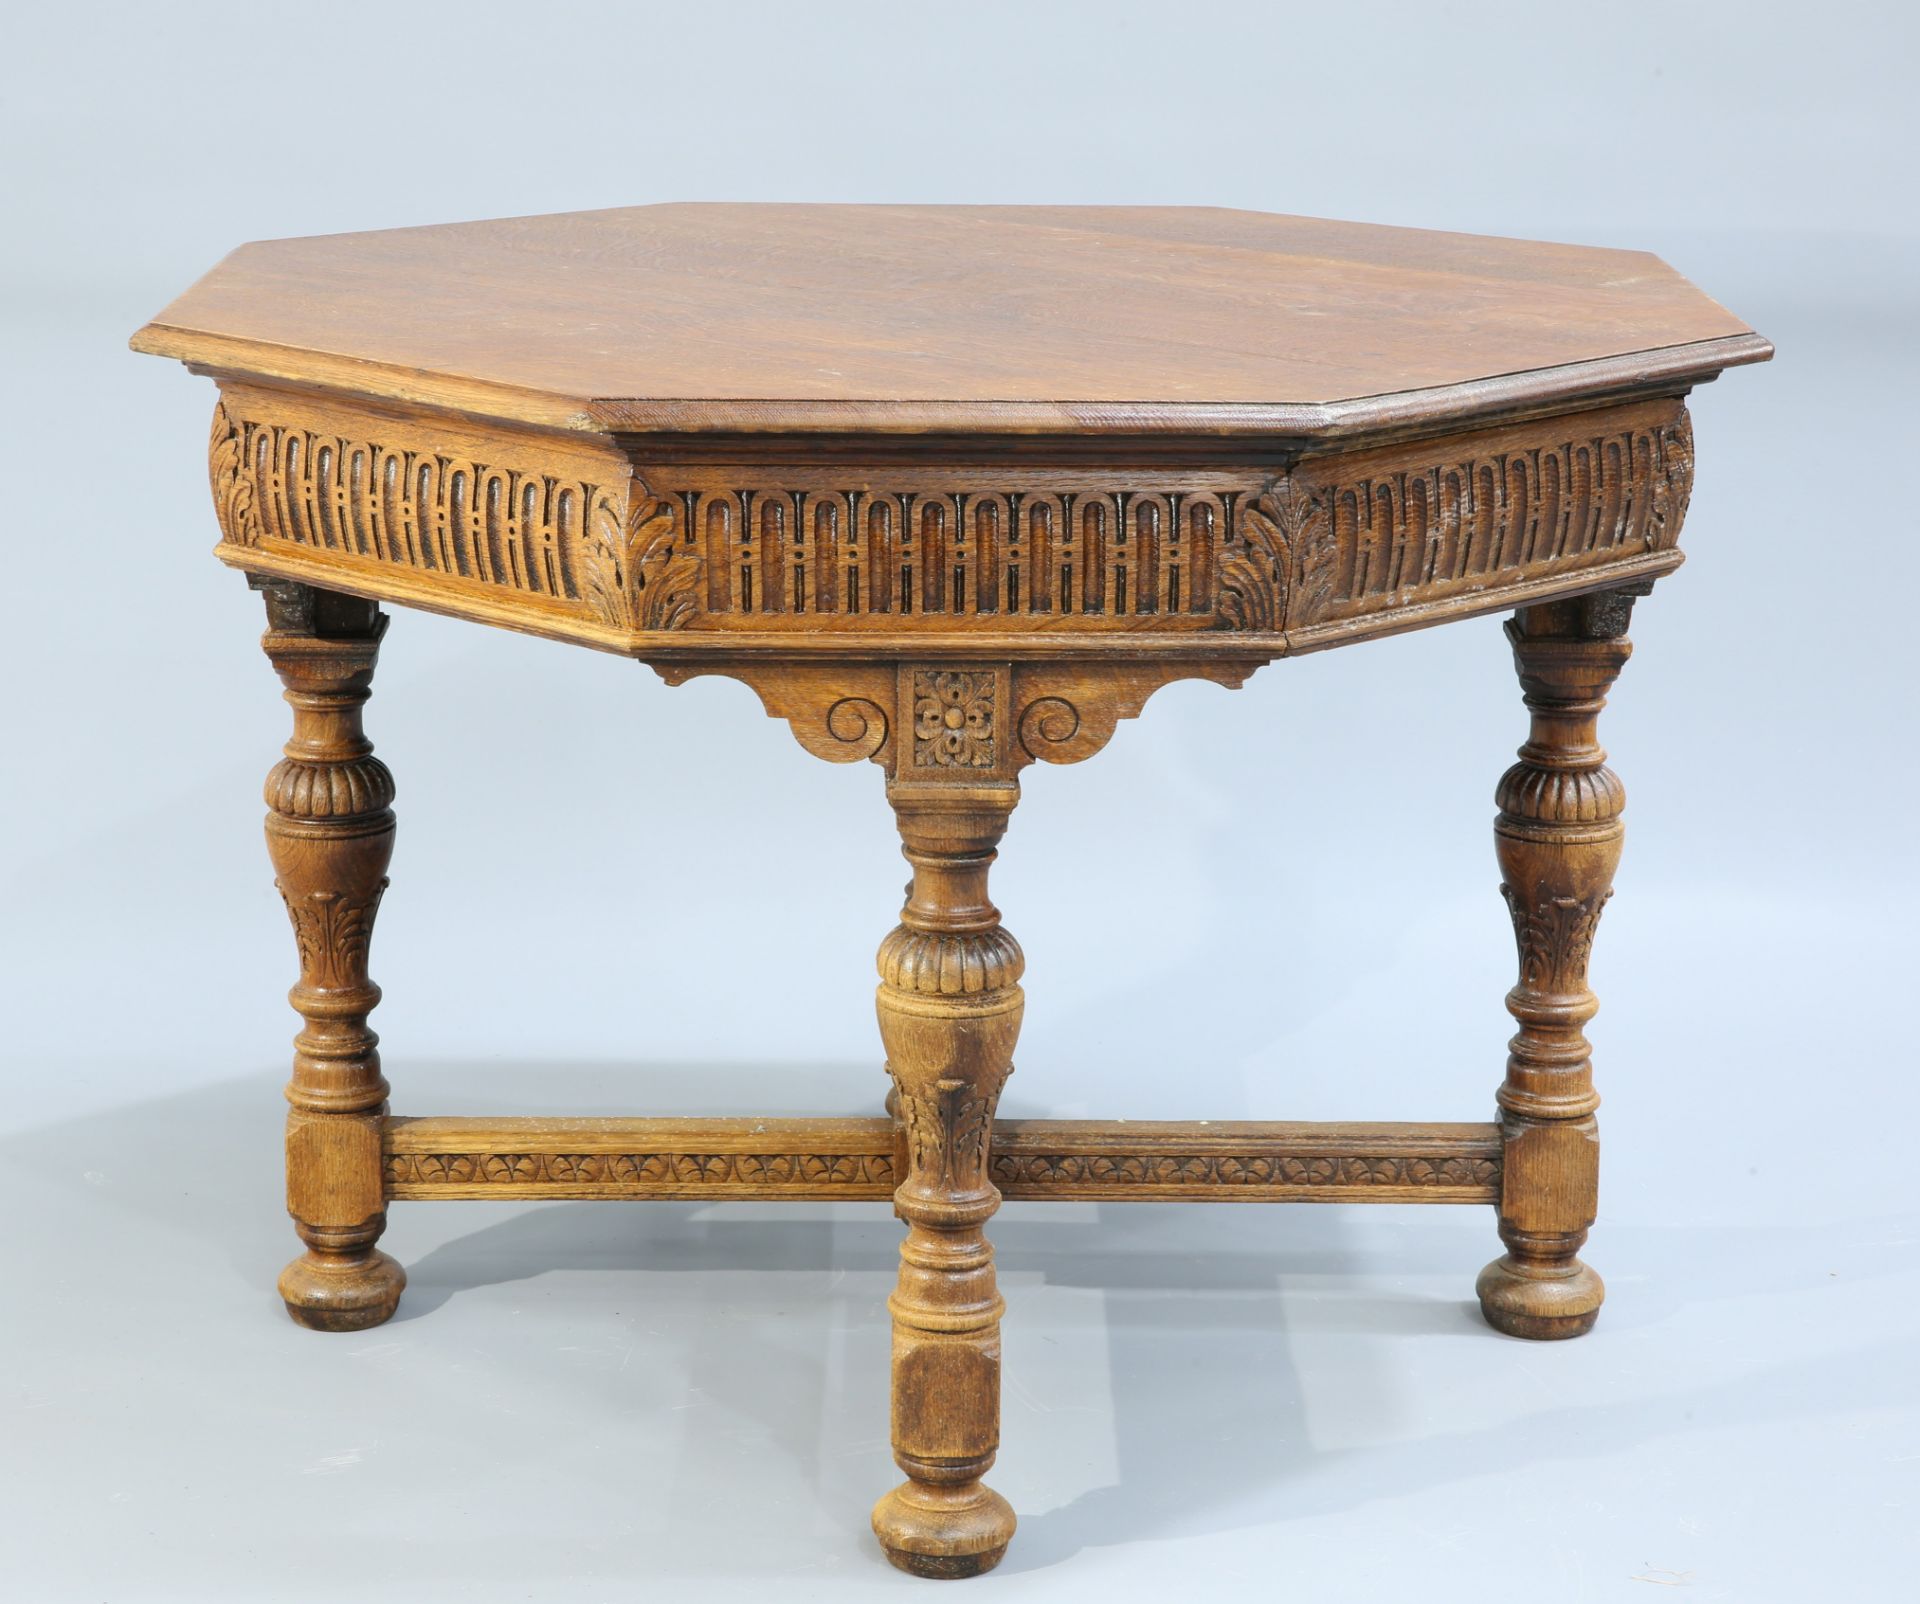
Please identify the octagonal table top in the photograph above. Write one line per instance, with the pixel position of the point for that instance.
(698, 318)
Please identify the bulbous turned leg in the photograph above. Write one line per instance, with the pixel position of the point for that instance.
(330, 834)
(1558, 838)
(949, 1006)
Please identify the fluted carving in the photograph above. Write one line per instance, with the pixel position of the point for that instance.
(937, 964)
(949, 1005)
(347, 789)
(330, 834)
(576, 537)
(1558, 837)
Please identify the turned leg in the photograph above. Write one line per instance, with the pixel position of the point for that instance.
(949, 1005)
(1558, 839)
(330, 834)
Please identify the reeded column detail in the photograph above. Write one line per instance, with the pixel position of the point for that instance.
(330, 835)
(949, 1006)
(1558, 837)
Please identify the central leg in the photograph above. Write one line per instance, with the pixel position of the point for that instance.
(949, 1005)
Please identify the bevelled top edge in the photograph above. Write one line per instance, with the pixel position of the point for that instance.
(1571, 385)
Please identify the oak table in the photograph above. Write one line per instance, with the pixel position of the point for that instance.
(953, 489)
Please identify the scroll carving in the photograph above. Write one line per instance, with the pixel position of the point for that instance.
(858, 728)
(836, 711)
(1048, 728)
(1069, 711)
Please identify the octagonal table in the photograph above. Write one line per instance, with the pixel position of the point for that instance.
(954, 489)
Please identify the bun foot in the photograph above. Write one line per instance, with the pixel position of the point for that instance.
(1541, 1302)
(342, 1291)
(943, 1532)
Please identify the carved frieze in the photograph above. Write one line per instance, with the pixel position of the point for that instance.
(1139, 1173)
(951, 1140)
(579, 528)
(721, 1171)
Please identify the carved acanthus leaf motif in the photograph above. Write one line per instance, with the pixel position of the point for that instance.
(1254, 568)
(332, 932)
(667, 571)
(233, 502)
(1672, 483)
(639, 572)
(1555, 936)
(1309, 529)
(1281, 571)
(948, 1133)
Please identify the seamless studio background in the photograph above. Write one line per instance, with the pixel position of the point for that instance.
(1276, 903)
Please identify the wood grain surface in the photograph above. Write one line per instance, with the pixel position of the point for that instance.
(954, 490)
(692, 318)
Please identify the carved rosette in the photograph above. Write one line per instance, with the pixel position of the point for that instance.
(953, 719)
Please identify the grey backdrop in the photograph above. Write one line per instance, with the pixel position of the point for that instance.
(1273, 903)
